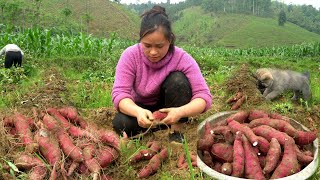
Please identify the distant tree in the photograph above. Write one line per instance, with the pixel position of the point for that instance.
(282, 18)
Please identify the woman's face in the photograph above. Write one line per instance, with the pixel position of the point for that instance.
(155, 45)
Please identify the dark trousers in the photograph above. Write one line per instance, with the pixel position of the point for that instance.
(175, 92)
(13, 58)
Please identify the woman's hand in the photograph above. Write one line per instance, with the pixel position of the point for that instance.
(174, 115)
(144, 117)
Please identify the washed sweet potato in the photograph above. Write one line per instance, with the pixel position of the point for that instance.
(240, 116)
(207, 159)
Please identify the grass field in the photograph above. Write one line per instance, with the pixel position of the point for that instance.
(74, 76)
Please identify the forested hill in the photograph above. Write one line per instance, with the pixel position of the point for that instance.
(97, 17)
(236, 30)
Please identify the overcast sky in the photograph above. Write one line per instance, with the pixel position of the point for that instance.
(314, 3)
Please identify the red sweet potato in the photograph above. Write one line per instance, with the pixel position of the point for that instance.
(303, 158)
(106, 155)
(68, 148)
(268, 133)
(146, 154)
(226, 168)
(289, 164)
(94, 167)
(234, 98)
(21, 125)
(37, 168)
(263, 145)
(278, 116)
(182, 160)
(256, 114)
(50, 123)
(252, 168)
(79, 132)
(207, 159)
(240, 116)
(205, 143)
(207, 130)
(73, 116)
(158, 116)
(238, 156)
(88, 151)
(222, 152)
(225, 131)
(301, 137)
(154, 164)
(236, 126)
(238, 103)
(110, 138)
(56, 114)
(273, 156)
(72, 167)
(49, 147)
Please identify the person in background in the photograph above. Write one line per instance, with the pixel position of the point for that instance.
(13, 55)
(153, 75)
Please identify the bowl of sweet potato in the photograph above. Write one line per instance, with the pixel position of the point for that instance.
(256, 144)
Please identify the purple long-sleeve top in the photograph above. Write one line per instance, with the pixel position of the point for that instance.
(140, 80)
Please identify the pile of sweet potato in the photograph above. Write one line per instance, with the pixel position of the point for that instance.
(255, 145)
(64, 142)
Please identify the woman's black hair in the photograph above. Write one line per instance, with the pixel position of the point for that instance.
(154, 19)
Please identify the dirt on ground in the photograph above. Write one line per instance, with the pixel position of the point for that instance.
(54, 85)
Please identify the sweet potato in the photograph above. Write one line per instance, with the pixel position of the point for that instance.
(207, 159)
(263, 145)
(94, 167)
(106, 155)
(49, 147)
(252, 168)
(50, 123)
(79, 132)
(110, 138)
(273, 156)
(207, 129)
(56, 114)
(289, 164)
(222, 151)
(37, 168)
(234, 97)
(225, 131)
(88, 151)
(158, 116)
(182, 160)
(73, 116)
(240, 116)
(269, 133)
(236, 126)
(154, 164)
(21, 125)
(238, 156)
(68, 148)
(303, 158)
(238, 103)
(301, 137)
(72, 167)
(205, 143)
(226, 168)
(146, 154)
(278, 116)
(256, 114)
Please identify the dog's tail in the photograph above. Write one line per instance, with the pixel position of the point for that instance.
(307, 74)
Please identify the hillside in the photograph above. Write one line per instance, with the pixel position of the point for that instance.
(237, 31)
(104, 16)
